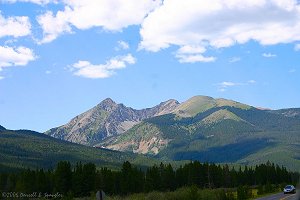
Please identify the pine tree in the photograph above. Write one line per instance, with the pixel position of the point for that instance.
(63, 177)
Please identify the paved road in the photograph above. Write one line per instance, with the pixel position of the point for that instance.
(281, 196)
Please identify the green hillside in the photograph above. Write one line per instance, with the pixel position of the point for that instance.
(199, 104)
(225, 134)
(23, 148)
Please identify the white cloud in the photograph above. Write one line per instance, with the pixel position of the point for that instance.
(84, 14)
(292, 70)
(88, 70)
(251, 81)
(184, 58)
(122, 45)
(19, 56)
(53, 26)
(30, 1)
(192, 54)
(269, 55)
(234, 59)
(48, 72)
(297, 47)
(214, 23)
(14, 26)
(1, 77)
(223, 86)
(191, 49)
(228, 84)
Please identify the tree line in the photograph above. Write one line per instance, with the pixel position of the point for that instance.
(82, 179)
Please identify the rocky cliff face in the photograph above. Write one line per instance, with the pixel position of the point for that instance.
(106, 119)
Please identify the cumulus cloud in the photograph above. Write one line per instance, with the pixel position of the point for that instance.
(214, 23)
(223, 86)
(53, 26)
(14, 26)
(88, 70)
(84, 14)
(19, 56)
(269, 55)
(122, 45)
(192, 54)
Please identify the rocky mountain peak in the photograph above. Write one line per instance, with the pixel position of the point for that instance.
(107, 104)
(170, 102)
(107, 119)
(167, 107)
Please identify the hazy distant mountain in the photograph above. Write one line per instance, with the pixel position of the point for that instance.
(105, 120)
(289, 112)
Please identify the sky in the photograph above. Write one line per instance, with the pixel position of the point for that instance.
(61, 58)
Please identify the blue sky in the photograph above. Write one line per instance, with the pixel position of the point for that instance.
(60, 58)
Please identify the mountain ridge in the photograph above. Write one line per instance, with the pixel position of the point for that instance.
(202, 127)
(105, 120)
(2, 128)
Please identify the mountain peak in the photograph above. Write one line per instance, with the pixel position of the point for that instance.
(2, 128)
(169, 102)
(200, 97)
(108, 101)
(195, 105)
(167, 107)
(107, 104)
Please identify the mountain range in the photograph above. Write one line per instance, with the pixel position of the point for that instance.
(201, 128)
(105, 120)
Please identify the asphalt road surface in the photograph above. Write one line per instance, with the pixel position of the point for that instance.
(281, 196)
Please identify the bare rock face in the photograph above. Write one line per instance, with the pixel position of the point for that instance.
(105, 120)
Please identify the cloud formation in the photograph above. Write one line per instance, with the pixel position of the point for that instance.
(84, 14)
(30, 1)
(269, 55)
(223, 86)
(19, 56)
(192, 54)
(88, 70)
(234, 59)
(122, 45)
(214, 24)
(53, 26)
(14, 26)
